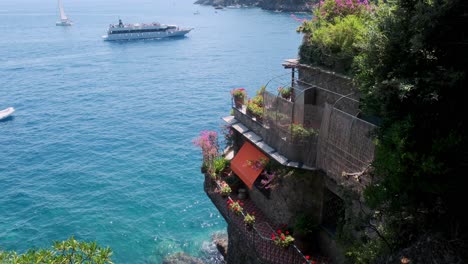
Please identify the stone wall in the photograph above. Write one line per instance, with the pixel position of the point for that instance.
(292, 195)
(331, 88)
(239, 252)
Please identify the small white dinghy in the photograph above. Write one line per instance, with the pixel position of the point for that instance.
(6, 112)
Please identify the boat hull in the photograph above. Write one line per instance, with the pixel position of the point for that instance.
(63, 23)
(6, 113)
(146, 35)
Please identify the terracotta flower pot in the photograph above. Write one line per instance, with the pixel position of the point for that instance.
(238, 101)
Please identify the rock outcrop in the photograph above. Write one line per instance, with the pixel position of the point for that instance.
(181, 258)
(279, 5)
(221, 242)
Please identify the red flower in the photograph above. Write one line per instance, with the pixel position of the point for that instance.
(313, 262)
(273, 237)
(253, 212)
(282, 238)
(287, 232)
(242, 204)
(307, 257)
(278, 231)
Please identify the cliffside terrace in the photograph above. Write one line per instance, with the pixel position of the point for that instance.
(257, 239)
(317, 128)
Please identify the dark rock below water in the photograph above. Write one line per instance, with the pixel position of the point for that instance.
(280, 5)
(181, 258)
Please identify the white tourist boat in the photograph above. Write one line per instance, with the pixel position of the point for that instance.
(6, 112)
(154, 30)
(64, 21)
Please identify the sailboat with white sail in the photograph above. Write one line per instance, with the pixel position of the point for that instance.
(64, 21)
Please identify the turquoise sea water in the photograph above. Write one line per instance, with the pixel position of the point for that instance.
(100, 144)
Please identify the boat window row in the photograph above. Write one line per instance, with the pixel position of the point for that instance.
(138, 30)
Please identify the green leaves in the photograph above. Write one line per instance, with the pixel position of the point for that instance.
(63, 252)
(336, 33)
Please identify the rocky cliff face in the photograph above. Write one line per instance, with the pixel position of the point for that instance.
(286, 6)
(280, 5)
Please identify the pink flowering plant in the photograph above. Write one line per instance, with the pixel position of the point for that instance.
(208, 142)
(228, 134)
(267, 179)
(331, 9)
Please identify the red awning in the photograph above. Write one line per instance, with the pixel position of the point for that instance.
(248, 163)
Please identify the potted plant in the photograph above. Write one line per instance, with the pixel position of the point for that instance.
(285, 92)
(225, 189)
(255, 105)
(300, 133)
(239, 95)
(282, 239)
(249, 220)
(235, 206)
(255, 110)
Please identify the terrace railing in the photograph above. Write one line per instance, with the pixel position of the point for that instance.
(259, 238)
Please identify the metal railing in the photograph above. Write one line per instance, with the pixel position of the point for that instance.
(258, 238)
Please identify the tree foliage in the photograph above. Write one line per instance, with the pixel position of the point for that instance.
(412, 73)
(334, 35)
(62, 252)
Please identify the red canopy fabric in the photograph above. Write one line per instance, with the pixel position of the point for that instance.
(248, 163)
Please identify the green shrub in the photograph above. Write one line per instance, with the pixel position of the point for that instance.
(285, 92)
(64, 252)
(304, 225)
(255, 105)
(255, 109)
(219, 164)
(299, 132)
(335, 34)
(334, 44)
